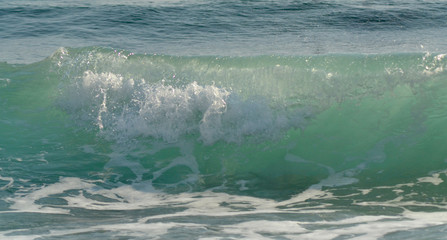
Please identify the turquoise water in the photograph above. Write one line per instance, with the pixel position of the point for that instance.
(270, 120)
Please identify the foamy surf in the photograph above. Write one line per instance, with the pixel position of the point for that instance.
(110, 144)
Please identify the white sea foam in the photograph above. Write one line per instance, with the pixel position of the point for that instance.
(25, 202)
(240, 216)
(124, 108)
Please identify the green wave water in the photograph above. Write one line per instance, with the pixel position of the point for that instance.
(360, 134)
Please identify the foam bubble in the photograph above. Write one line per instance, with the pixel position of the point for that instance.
(10, 181)
(433, 179)
(256, 229)
(434, 64)
(4, 82)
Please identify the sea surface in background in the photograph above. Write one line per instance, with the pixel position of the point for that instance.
(223, 119)
(33, 30)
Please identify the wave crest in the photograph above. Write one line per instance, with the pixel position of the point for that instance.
(124, 108)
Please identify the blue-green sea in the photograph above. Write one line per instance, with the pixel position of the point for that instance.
(223, 119)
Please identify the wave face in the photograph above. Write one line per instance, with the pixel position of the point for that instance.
(334, 139)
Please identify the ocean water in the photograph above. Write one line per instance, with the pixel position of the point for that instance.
(223, 119)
